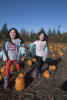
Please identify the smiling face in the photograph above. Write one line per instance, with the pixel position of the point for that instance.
(41, 37)
(12, 34)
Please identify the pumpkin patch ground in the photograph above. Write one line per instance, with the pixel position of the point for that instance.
(51, 86)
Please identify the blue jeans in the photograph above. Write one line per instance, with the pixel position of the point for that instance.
(39, 63)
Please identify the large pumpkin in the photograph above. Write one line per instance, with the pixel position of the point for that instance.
(19, 83)
(46, 74)
(30, 62)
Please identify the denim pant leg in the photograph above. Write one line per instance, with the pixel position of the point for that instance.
(39, 63)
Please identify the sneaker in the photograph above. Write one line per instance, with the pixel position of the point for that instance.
(39, 75)
(5, 82)
(35, 73)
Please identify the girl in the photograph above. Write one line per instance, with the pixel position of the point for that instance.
(39, 50)
(11, 52)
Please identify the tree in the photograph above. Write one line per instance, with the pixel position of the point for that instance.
(3, 32)
(50, 34)
(33, 36)
(24, 35)
(64, 37)
(58, 34)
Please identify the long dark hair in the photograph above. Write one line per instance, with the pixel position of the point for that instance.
(45, 36)
(17, 34)
(8, 35)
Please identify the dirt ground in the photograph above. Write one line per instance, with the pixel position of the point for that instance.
(54, 88)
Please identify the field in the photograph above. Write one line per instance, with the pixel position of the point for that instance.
(51, 88)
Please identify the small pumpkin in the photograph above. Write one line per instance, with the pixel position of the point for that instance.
(30, 62)
(19, 83)
(51, 50)
(12, 68)
(34, 60)
(3, 74)
(3, 69)
(53, 55)
(1, 77)
(52, 67)
(46, 74)
(22, 59)
(61, 53)
(21, 75)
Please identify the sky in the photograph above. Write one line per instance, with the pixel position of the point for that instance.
(34, 14)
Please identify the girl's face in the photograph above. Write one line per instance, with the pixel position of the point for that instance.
(41, 37)
(12, 34)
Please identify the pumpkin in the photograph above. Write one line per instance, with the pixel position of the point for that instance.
(12, 68)
(53, 55)
(3, 69)
(50, 47)
(34, 60)
(0, 45)
(19, 83)
(21, 75)
(53, 67)
(46, 74)
(51, 50)
(61, 54)
(50, 67)
(1, 77)
(30, 62)
(3, 74)
(22, 59)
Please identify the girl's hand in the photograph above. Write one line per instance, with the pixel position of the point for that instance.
(26, 46)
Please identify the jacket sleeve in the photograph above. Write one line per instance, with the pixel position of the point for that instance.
(32, 51)
(45, 54)
(26, 46)
(22, 51)
(1, 53)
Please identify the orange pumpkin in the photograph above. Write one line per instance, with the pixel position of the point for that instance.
(12, 68)
(30, 62)
(22, 59)
(61, 53)
(52, 67)
(53, 55)
(46, 74)
(21, 75)
(19, 83)
(3, 74)
(3, 69)
(0, 45)
(1, 77)
(34, 60)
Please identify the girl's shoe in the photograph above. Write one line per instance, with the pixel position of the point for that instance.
(35, 73)
(5, 82)
(39, 75)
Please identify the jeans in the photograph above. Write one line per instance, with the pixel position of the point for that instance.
(39, 63)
